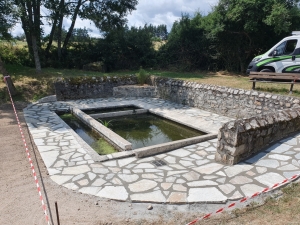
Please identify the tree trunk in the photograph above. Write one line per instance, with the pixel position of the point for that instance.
(60, 23)
(36, 55)
(69, 34)
(9, 82)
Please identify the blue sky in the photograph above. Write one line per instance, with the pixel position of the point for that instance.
(153, 12)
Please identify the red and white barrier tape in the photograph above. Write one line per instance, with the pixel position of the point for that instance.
(232, 205)
(28, 156)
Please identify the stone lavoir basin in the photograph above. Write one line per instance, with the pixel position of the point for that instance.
(147, 129)
(129, 123)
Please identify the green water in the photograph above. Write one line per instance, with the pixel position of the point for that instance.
(147, 129)
(107, 110)
(99, 144)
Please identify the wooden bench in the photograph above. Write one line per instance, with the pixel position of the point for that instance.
(269, 77)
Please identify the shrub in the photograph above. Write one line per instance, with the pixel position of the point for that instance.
(142, 76)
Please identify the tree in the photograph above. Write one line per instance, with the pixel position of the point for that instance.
(106, 14)
(30, 16)
(187, 46)
(7, 21)
(240, 29)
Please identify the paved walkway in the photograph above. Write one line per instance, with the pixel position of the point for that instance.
(190, 174)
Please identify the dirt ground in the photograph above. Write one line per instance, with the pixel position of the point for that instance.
(20, 204)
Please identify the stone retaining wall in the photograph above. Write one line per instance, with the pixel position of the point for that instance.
(239, 139)
(90, 87)
(235, 103)
(134, 91)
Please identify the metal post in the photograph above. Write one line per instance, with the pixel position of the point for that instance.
(253, 84)
(57, 215)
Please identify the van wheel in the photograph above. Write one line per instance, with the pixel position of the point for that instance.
(266, 70)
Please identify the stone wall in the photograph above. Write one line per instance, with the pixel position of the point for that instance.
(235, 103)
(239, 139)
(134, 91)
(90, 87)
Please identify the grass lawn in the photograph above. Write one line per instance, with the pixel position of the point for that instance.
(33, 87)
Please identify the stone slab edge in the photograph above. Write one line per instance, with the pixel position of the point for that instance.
(165, 147)
(115, 114)
(112, 137)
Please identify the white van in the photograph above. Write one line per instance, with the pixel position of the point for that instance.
(284, 57)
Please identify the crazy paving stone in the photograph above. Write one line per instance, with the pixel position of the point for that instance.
(90, 190)
(170, 159)
(279, 157)
(227, 188)
(179, 167)
(240, 180)
(256, 158)
(278, 148)
(269, 179)
(180, 181)
(236, 169)
(288, 167)
(250, 189)
(210, 194)
(179, 153)
(209, 168)
(71, 186)
(100, 170)
(295, 163)
(60, 179)
(78, 177)
(177, 197)
(49, 157)
(236, 195)
(166, 186)
(297, 156)
(179, 187)
(76, 170)
(129, 178)
(201, 183)
(149, 176)
(112, 192)
(99, 182)
(290, 174)
(142, 185)
(155, 196)
(83, 182)
(126, 161)
(145, 166)
(91, 175)
(190, 176)
(110, 163)
(271, 163)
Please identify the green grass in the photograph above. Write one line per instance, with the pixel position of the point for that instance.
(32, 86)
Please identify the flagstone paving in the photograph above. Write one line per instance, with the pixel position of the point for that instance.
(190, 174)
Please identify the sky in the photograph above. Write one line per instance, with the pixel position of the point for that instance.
(155, 12)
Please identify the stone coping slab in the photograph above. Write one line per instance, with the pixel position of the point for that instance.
(189, 174)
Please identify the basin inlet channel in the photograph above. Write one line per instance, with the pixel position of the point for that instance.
(140, 129)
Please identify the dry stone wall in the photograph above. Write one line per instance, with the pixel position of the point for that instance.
(239, 139)
(134, 91)
(235, 103)
(90, 87)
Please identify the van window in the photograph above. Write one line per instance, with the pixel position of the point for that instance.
(290, 47)
(286, 48)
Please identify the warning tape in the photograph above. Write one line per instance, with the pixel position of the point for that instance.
(232, 205)
(28, 155)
